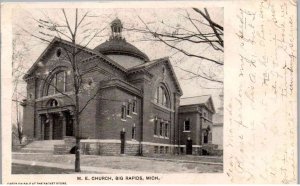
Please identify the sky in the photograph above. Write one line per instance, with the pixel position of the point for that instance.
(156, 19)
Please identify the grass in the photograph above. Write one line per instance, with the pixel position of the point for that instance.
(125, 163)
(30, 169)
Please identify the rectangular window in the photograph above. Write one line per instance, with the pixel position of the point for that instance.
(128, 109)
(155, 126)
(161, 128)
(133, 132)
(134, 104)
(187, 125)
(167, 150)
(155, 149)
(123, 112)
(161, 150)
(166, 130)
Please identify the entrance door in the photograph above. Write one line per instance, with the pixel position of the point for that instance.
(205, 138)
(57, 127)
(122, 135)
(46, 130)
(189, 146)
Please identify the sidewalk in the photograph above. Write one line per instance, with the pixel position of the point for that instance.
(181, 161)
(83, 168)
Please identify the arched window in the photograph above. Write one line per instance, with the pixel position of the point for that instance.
(57, 83)
(53, 103)
(161, 96)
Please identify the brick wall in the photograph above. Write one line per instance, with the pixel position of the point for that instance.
(194, 133)
(152, 110)
(108, 115)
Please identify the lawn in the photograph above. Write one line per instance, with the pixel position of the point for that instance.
(125, 163)
(30, 169)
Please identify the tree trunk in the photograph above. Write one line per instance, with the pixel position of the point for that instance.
(77, 122)
(77, 153)
(19, 127)
(20, 135)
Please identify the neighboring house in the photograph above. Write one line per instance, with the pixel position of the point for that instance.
(135, 111)
(195, 120)
(217, 130)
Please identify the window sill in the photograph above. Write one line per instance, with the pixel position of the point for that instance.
(186, 131)
(163, 107)
(156, 136)
(128, 116)
(134, 113)
(123, 119)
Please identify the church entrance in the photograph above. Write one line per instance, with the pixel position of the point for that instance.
(46, 130)
(69, 125)
(56, 125)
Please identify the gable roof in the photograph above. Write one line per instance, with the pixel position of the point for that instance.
(148, 65)
(197, 100)
(59, 40)
(95, 54)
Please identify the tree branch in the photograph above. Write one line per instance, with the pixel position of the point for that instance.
(198, 75)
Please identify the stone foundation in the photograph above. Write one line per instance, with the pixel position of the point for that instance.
(149, 149)
(98, 147)
(132, 149)
(113, 147)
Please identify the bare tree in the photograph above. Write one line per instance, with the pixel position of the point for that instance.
(73, 28)
(199, 30)
(18, 58)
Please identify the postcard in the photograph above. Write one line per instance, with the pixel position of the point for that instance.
(149, 92)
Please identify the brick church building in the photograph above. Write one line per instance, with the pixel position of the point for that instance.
(138, 108)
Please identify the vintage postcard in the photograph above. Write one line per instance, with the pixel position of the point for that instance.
(149, 92)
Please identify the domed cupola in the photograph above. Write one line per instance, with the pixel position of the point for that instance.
(116, 29)
(119, 50)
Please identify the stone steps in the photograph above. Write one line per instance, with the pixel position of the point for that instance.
(44, 146)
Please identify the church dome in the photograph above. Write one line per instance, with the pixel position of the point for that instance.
(117, 45)
(120, 46)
